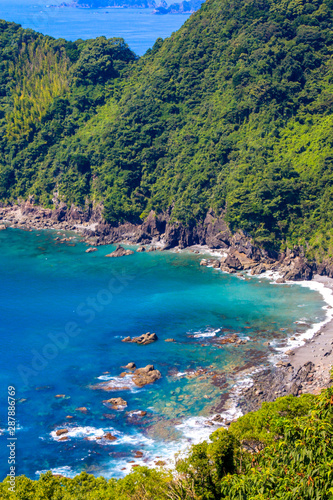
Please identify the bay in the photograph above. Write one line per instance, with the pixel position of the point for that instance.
(139, 27)
(63, 315)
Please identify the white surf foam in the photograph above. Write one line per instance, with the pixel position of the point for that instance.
(84, 432)
(66, 471)
(210, 332)
(121, 383)
(300, 338)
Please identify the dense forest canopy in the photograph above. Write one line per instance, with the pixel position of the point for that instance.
(283, 451)
(233, 112)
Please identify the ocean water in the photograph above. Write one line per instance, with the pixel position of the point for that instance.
(63, 314)
(139, 27)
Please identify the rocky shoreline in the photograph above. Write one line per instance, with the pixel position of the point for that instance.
(305, 369)
(237, 250)
(233, 253)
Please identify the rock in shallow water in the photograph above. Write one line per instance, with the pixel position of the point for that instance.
(108, 436)
(146, 375)
(120, 252)
(146, 338)
(60, 432)
(131, 366)
(116, 402)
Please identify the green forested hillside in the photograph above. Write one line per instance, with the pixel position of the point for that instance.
(283, 451)
(232, 112)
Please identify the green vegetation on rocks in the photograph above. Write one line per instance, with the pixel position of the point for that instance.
(283, 451)
(233, 112)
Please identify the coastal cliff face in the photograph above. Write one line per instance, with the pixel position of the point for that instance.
(239, 251)
(231, 116)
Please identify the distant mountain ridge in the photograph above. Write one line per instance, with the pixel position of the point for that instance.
(185, 7)
(109, 4)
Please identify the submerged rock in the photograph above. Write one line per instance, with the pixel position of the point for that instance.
(232, 339)
(82, 409)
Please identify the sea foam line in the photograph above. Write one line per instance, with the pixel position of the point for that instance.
(327, 296)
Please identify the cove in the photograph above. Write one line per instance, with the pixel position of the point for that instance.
(64, 313)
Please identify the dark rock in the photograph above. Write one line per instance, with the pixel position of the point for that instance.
(154, 225)
(218, 418)
(299, 270)
(261, 268)
(233, 262)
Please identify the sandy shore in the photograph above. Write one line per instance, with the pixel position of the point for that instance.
(303, 369)
(319, 349)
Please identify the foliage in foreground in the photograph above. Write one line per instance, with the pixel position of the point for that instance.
(283, 451)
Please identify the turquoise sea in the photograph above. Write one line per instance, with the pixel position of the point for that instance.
(139, 27)
(63, 314)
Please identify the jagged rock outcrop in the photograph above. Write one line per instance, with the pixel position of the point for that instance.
(274, 382)
(120, 252)
(116, 403)
(146, 338)
(233, 262)
(146, 375)
(213, 231)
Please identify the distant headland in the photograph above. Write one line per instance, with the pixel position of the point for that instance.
(184, 7)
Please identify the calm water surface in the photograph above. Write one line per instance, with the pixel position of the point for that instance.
(63, 314)
(138, 27)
